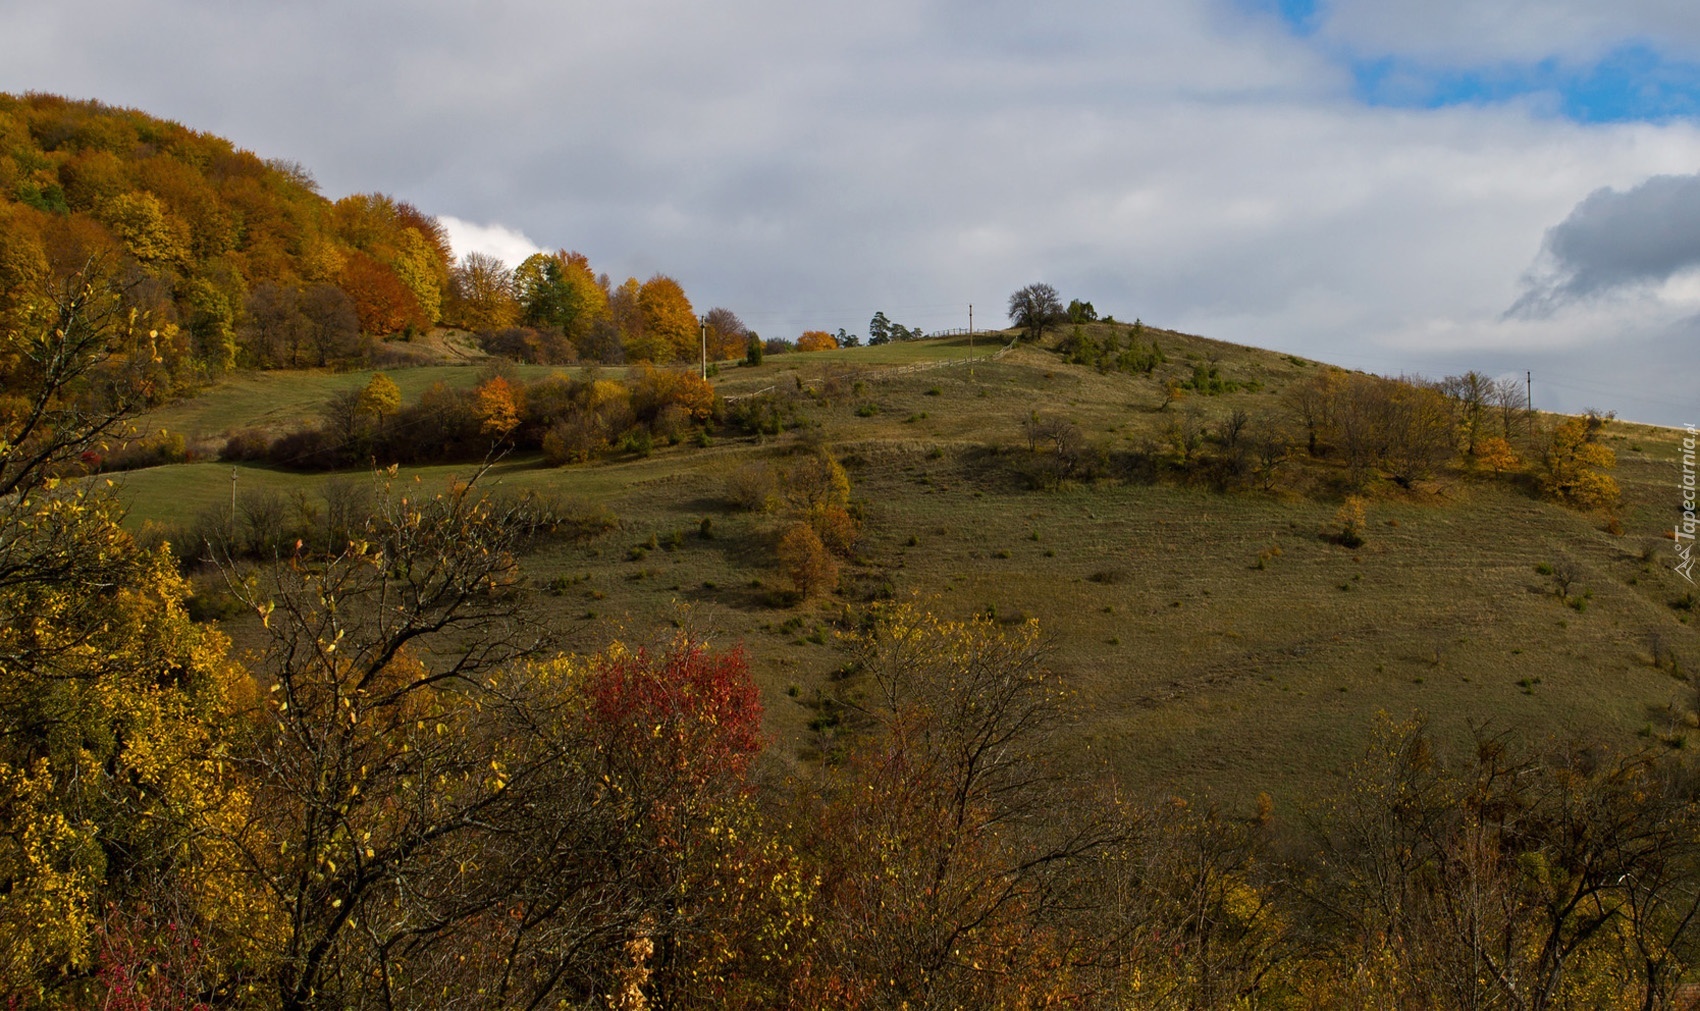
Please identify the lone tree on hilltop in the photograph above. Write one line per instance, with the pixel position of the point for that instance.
(1035, 309)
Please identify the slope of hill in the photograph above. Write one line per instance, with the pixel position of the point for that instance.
(1223, 642)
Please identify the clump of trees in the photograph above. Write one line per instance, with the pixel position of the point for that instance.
(1110, 348)
(569, 420)
(883, 331)
(1574, 462)
(810, 492)
(1349, 430)
(240, 262)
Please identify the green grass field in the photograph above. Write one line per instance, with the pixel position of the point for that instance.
(1217, 643)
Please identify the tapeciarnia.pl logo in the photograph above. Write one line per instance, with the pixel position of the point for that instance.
(1685, 527)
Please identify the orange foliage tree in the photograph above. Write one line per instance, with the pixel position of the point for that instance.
(384, 305)
(816, 340)
(805, 561)
(499, 405)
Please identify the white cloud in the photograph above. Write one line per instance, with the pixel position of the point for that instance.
(506, 244)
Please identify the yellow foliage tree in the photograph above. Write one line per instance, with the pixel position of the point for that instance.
(415, 263)
(139, 221)
(1496, 454)
(670, 331)
(380, 397)
(1574, 464)
(113, 784)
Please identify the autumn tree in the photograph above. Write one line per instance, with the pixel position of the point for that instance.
(142, 225)
(23, 265)
(331, 323)
(1574, 464)
(482, 293)
(376, 765)
(952, 867)
(383, 304)
(274, 331)
(1422, 433)
(1471, 395)
(627, 317)
(499, 406)
(1312, 404)
(805, 561)
(1507, 878)
(559, 291)
(816, 340)
(1497, 455)
(380, 397)
(666, 328)
(59, 394)
(422, 268)
(111, 788)
(728, 337)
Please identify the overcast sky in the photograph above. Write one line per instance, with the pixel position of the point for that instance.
(1393, 185)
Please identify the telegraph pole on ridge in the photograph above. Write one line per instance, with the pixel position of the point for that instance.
(704, 321)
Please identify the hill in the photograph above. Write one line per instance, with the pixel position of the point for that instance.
(1222, 639)
(223, 260)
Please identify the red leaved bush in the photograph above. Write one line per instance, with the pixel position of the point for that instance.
(691, 712)
(142, 967)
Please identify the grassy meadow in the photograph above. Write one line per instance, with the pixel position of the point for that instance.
(1217, 643)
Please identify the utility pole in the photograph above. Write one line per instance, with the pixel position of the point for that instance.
(233, 505)
(970, 339)
(1529, 399)
(704, 321)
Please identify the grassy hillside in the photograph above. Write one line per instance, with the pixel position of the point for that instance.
(1223, 645)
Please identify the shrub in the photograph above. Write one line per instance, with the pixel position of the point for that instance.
(1497, 455)
(814, 480)
(248, 444)
(753, 487)
(835, 527)
(1350, 523)
(805, 561)
(574, 439)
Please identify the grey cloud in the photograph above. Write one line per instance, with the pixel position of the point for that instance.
(1617, 241)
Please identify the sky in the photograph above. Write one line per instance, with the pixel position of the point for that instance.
(1396, 186)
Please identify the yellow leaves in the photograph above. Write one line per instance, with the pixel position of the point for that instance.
(45, 914)
(1573, 467)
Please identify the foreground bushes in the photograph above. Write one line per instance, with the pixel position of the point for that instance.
(407, 799)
